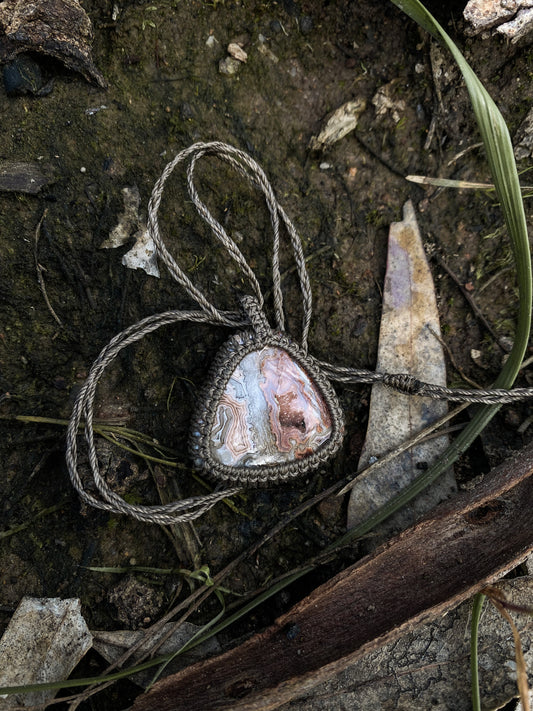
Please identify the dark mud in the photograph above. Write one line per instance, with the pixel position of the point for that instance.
(165, 92)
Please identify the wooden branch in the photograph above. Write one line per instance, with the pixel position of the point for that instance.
(424, 572)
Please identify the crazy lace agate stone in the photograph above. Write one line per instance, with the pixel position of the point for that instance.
(270, 412)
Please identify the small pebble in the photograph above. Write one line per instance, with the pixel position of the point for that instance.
(306, 24)
(229, 66)
(235, 50)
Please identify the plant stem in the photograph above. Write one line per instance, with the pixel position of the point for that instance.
(477, 607)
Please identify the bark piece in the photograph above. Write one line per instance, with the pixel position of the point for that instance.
(429, 667)
(418, 576)
(18, 177)
(58, 28)
(408, 343)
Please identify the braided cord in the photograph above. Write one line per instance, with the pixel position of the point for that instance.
(250, 316)
(408, 384)
(175, 512)
(254, 174)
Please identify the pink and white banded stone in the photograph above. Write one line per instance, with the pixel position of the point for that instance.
(270, 412)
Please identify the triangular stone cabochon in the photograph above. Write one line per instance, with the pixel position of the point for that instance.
(270, 412)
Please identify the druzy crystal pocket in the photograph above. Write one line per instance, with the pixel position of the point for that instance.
(266, 414)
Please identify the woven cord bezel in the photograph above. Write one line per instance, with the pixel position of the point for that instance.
(226, 361)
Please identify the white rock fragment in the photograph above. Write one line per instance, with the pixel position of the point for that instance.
(265, 50)
(518, 27)
(384, 100)
(340, 123)
(143, 254)
(511, 18)
(523, 141)
(229, 66)
(484, 14)
(237, 52)
(43, 642)
(211, 41)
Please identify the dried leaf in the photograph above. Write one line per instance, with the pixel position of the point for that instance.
(408, 343)
(111, 645)
(386, 100)
(128, 220)
(45, 639)
(342, 121)
(143, 254)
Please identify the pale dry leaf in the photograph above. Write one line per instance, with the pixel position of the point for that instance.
(408, 343)
(340, 123)
(130, 225)
(45, 639)
(112, 645)
(128, 220)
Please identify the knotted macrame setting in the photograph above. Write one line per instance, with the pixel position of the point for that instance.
(268, 412)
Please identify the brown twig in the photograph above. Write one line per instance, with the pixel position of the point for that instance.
(500, 603)
(457, 367)
(41, 269)
(475, 308)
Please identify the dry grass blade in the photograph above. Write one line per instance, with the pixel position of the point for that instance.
(457, 184)
(499, 603)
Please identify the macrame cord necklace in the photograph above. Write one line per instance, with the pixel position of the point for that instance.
(268, 413)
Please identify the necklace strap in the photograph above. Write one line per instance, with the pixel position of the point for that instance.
(254, 174)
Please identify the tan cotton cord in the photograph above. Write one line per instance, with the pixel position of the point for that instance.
(256, 334)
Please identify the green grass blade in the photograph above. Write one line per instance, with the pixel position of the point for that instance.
(500, 157)
(505, 176)
(474, 667)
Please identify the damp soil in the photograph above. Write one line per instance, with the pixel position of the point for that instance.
(161, 61)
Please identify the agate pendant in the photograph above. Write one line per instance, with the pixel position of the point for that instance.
(267, 414)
